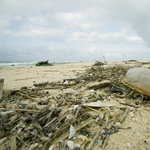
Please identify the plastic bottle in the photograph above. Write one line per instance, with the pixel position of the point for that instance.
(140, 79)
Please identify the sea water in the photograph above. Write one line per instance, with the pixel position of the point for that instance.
(11, 64)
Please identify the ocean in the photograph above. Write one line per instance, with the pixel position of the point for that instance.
(12, 64)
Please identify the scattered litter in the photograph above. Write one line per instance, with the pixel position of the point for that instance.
(36, 118)
(70, 144)
(97, 104)
(72, 132)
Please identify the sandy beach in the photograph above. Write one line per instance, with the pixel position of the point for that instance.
(15, 78)
(133, 133)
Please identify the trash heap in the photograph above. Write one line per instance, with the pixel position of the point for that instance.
(44, 63)
(79, 116)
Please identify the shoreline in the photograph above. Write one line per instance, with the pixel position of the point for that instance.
(9, 64)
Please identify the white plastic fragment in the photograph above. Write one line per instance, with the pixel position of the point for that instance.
(82, 137)
(72, 132)
(7, 112)
(77, 145)
(66, 82)
(70, 144)
(52, 147)
(91, 91)
(75, 106)
(97, 104)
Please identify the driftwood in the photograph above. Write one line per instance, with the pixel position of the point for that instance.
(28, 110)
(29, 97)
(105, 142)
(33, 120)
(99, 85)
(129, 105)
(93, 141)
(13, 142)
(65, 135)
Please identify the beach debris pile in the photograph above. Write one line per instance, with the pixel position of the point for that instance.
(44, 63)
(79, 116)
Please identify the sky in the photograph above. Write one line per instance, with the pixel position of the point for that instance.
(74, 30)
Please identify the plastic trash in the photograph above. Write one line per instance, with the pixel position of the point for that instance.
(125, 66)
(72, 132)
(7, 112)
(70, 144)
(98, 104)
(140, 79)
(1, 86)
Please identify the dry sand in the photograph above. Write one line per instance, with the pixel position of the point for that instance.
(27, 76)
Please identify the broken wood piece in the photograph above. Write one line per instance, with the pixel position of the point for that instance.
(21, 140)
(129, 105)
(77, 112)
(55, 98)
(48, 116)
(38, 128)
(20, 109)
(50, 122)
(65, 135)
(41, 84)
(105, 142)
(2, 140)
(124, 115)
(13, 142)
(99, 85)
(86, 141)
(93, 141)
(29, 97)
(31, 118)
(73, 101)
(93, 109)
(66, 102)
(80, 85)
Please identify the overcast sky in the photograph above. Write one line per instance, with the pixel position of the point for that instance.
(74, 30)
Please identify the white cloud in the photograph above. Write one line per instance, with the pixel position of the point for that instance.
(39, 33)
(92, 49)
(108, 38)
(80, 26)
(4, 24)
